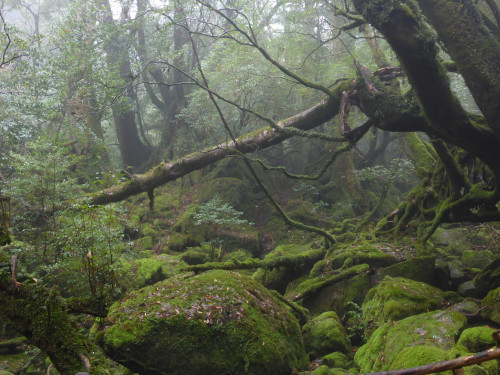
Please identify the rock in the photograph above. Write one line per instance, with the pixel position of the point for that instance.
(465, 307)
(418, 269)
(492, 304)
(477, 259)
(467, 289)
(437, 329)
(397, 298)
(336, 359)
(488, 278)
(456, 238)
(457, 274)
(477, 339)
(215, 322)
(325, 334)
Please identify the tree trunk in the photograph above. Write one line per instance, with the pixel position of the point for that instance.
(133, 151)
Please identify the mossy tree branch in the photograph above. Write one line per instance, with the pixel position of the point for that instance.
(306, 258)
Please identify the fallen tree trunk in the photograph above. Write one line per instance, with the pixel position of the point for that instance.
(260, 139)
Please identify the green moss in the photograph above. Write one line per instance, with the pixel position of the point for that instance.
(319, 268)
(309, 287)
(238, 255)
(421, 155)
(324, 370)
(336, 359)
(278, 278)
(179, 242)
(360, 252)
(417, 269)
(396, 298)
(492, 303)
(437, 329)
(138, 273)
(216, 322)
(418, 355)
(325, 334)
(337, 296)
(144, 243)
(488, 279)
(477, 339)
(477, 259)
(148, 230)
(195, 256)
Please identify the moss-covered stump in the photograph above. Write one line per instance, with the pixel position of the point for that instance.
(397, 298)
(325, 334)
(438, 329)
(477, 339)
(492, 304)
(216, 322)
(488, 278)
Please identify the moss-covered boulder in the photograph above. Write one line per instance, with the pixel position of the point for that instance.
(418, 355)
(336, 360)
(477, 339)
(488, 278)
(395, 298)
(492, 304)
(212, 323)
(418, 269)
(477, 259)
(325, 334)
(438, 329)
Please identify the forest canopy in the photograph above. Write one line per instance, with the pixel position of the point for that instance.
(191, 127)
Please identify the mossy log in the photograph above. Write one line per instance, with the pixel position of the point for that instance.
(309, 257)
(251, 142)
(330, 280)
